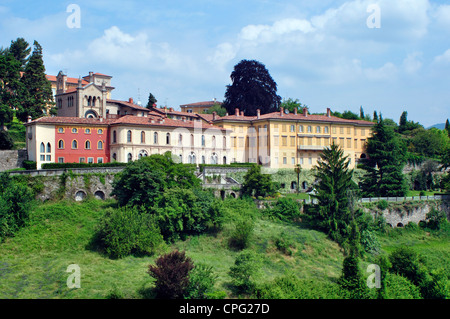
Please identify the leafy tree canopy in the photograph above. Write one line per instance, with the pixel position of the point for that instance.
(252, 88)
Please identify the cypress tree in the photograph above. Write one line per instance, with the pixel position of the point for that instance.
(332, 213)
(384, 176)
(39, 96)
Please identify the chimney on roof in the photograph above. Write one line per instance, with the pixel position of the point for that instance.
(328, 112)
(236, 112)
(91, 77)
(165, 109)
(305, 112)
(281, 111)
(29, 119)
(242, 113)
(214, 116)
(258, 113)
(226, 114)
(79, 82)
(170, 109)
(295, 110)
(130, 100)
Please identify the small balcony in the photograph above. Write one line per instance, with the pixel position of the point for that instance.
(310, 147)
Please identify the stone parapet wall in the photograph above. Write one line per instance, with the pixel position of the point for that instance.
(12, 159)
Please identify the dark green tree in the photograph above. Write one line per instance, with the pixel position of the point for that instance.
(375, 116)
(361, 112)
(384, 176)
(351, 278)
(20, 49)
(11, 89)
(332, 213)
(291, 105)
(143, 182)
(252, 88)
(221, 111)
(257, 184)
(151, 101)
(447, 127)
(39, 97)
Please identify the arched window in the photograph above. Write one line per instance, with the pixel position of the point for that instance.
(114, 156)
(224, 142)
(87, 145)
(142, 153)
(180, 140)
(99, 131)
(224, 160)
(49, 148)
(214, 158)
(155, 138)
(129, 136)
(168, 138)
(192, 139)
(142, 137)
(100, 145)
(60, 144)
(74, 144)
(192, 158)
(87, 131)
(203, 140)
(129, 157)
(74, 130)
(42, 148)
(214, 141)
(114, 137)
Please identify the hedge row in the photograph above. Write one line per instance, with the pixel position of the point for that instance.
(81, 165)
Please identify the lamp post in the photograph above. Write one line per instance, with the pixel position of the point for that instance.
(298, 169)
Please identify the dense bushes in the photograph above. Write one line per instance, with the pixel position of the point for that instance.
(126, 231)
(15, 203)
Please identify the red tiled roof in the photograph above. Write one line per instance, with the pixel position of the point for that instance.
(132, 105)
(52, 78)
(70, 120)
(139, 120)
(293, 117)
(206, 103)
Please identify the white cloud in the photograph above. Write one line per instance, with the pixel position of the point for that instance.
(443, 58)
(412, 63)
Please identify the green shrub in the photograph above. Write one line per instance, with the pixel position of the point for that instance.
(245, 270)
(29, 165)
(201, 282)
(179, 213)
(284, 209)
(398, 287)
(127, 231)
(436, 219)
(382, 204)
(291, 287)
(16, 200)
(240, 238)
(284, 243)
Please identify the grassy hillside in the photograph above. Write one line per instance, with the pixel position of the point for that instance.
(33, 264)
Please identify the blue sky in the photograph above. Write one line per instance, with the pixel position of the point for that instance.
(320, 52)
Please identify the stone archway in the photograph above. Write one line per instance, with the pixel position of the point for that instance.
(99, 195)
(80, 196)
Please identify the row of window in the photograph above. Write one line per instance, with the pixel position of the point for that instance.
(308, 129)
(168, 139)
(192, 158)
(89, 160)
(87, 145)
(75, 130)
